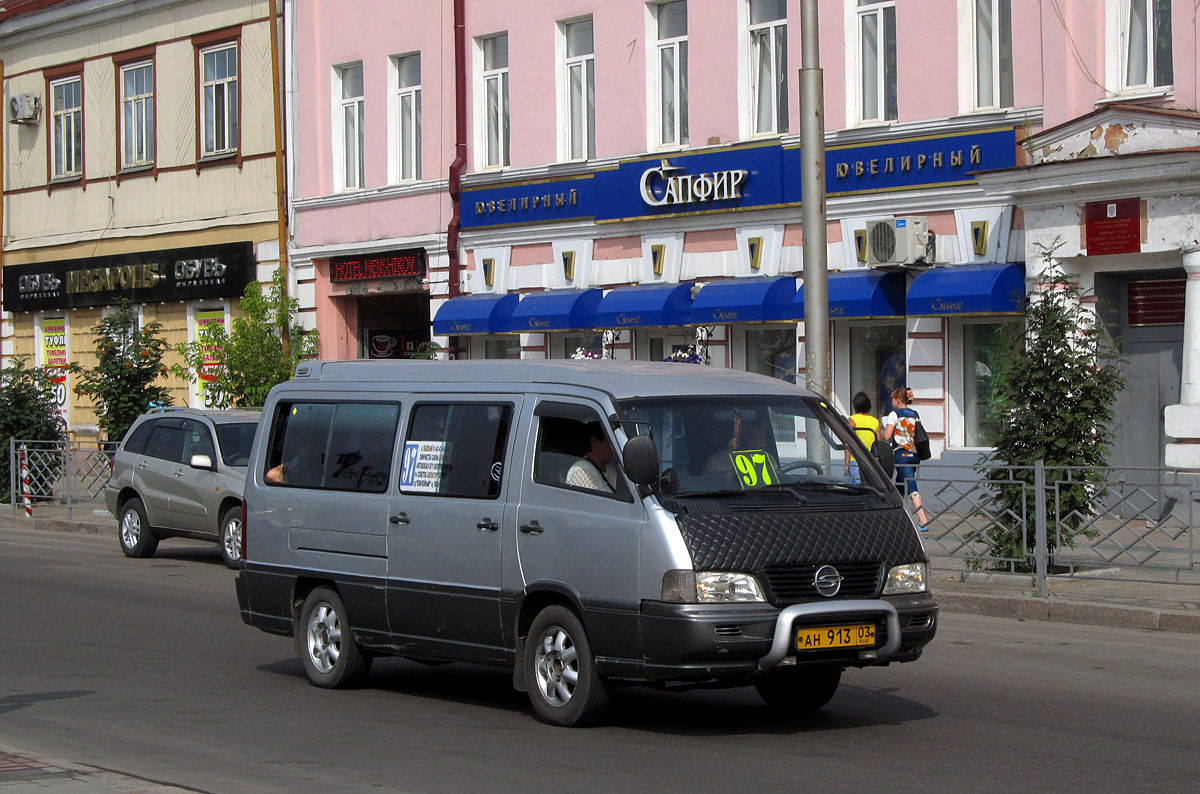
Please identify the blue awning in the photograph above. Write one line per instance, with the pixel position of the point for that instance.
(646, 305)
(475, 314)
(967, 289)
(556, 310)
(743, 300)
(859, 294)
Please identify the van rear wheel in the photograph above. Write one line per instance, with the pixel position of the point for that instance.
(799, 691)
(332, 659)
(565, 688)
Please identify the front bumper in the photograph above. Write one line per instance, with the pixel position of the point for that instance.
(695, 641)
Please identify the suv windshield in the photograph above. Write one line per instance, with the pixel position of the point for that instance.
(235, 440)
(738, 444)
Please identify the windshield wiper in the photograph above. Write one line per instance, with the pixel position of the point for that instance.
(704, 494)
(845, 487)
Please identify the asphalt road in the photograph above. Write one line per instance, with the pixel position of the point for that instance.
(144, 667)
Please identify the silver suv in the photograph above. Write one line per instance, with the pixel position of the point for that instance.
(180, 473)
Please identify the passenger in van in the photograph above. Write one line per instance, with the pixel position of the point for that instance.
(593, 471)
(303, 466)
(747, 434)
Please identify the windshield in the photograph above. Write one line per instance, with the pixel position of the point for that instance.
(235, 440)
(739, 443)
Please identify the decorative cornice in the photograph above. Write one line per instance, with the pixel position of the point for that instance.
(371, 195)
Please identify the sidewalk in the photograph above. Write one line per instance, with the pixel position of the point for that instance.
(20, 773)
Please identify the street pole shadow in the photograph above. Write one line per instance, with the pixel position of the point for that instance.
(11, 703)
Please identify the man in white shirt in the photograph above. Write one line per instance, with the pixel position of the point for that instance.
(592, 471)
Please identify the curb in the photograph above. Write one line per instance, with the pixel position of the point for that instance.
(1060, 611)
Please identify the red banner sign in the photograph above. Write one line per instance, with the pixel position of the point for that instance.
(1156, 302)
(1114, 227)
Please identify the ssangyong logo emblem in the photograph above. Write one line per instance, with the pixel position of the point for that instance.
(828, 581)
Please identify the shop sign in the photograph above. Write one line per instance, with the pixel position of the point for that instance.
(1113, 227)
(747, 176)
(1159, 302)
(208, 321)
(54, 360)
(197, 273)
(411, 262)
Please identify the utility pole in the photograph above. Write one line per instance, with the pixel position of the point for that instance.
(280, 184)
(812, 184)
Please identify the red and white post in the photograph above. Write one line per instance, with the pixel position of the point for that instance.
(25, 491)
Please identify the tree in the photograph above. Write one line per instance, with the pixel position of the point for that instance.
(123, 384)
(250, 356)
(28, 409)
(1055, 386)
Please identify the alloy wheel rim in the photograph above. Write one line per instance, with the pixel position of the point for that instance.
(131, 529)
(233, 539)
(324, 638)
(557, 666)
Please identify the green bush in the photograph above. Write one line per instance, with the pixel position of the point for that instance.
(122, 385)
(1056, 383)
(28, 411)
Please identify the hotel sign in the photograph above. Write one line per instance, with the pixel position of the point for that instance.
(198, 273)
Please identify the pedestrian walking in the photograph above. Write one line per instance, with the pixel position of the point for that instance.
(899, 427)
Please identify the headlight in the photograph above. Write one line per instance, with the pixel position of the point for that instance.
(707, 587)
(908, 578)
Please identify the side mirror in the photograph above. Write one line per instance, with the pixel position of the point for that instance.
(202, 462)
(641, 460)
(882, 451)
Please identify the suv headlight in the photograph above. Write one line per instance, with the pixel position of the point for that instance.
(909, 578)
(708, 587)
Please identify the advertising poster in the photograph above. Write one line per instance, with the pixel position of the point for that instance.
(54, 359)
(421, 470)
(211, 354)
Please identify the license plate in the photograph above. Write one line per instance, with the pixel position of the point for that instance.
(825, 637)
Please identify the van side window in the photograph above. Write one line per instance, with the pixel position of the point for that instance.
(335, 446)
(577, 453)
(456, 450)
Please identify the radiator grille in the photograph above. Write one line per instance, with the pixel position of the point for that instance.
(793, 583)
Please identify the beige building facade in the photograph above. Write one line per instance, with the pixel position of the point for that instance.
(139, 155)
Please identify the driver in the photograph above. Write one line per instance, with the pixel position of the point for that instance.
(748, 434)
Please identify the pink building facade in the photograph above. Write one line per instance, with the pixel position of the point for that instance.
(627, 184)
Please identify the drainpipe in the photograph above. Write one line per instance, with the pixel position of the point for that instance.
(460, 142)
(3, 157)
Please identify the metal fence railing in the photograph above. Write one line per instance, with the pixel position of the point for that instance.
(1125, 524)
(65, 473)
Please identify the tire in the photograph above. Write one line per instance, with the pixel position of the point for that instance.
(332, 659)
(134, 532)
(799, 691)
(564, 687)
(231, 536)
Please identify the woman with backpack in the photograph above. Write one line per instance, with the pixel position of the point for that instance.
(900, 427)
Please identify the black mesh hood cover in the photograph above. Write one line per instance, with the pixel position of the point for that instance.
(748, 541)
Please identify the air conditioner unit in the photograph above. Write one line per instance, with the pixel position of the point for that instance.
(899, 241)
(24, 108)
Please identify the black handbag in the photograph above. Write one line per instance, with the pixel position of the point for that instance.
(921, 442)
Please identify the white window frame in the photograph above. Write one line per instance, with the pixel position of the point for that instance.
(137, 137)
(572, 107)
(678, 46)
(404, 141)
(1118, 34)
(66, 135)
(855, 88)
(226, 98)
(969, 61)
(494, 152)
(755, 35)
(349, 145)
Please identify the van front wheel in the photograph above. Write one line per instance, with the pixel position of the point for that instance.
(332, 659)
(566, 689)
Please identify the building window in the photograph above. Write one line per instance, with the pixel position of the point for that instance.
(983, 344)
(672, 82)
(581, 90)
(1146, 43)
(137, 115)
(768, 66)
(66, 111)
(495, 88)
(877, 60)
(408, 117)
(993, 54)
(877, 363)
(219, 100)
(772, 352)
(350, 126)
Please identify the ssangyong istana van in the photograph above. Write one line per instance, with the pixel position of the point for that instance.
(584, 524)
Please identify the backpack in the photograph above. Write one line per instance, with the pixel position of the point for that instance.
(921, 441)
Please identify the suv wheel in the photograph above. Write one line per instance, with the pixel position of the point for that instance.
(133, 530)
(231, 536)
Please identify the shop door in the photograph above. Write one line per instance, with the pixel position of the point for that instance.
(1153, 370)
(393, 326)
